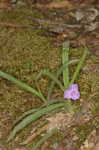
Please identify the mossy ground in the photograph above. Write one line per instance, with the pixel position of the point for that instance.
(24, 53)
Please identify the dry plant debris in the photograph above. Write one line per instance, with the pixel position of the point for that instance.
(92, 141)
(34, 135)
(60, 121)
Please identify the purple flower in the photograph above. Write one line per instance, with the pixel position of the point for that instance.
(72, 92)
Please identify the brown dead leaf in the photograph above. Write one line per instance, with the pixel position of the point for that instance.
(4, 4)
(61, 4)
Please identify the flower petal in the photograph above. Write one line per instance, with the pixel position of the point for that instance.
(72, 92)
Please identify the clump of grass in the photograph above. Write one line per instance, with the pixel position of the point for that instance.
(49, 104)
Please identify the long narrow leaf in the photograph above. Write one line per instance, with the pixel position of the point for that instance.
(39, 90)
(21, 84)
(52, 76)
(31, 111)
(59, 72)
(65, 59)
(26, 114)
(32, 117)
(44, 138)
(82, 59)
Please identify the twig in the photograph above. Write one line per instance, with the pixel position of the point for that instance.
(48, 22)
(11, 25)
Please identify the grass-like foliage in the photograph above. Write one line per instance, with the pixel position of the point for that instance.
(44, 138)
(49, 104)
(32, 117)
(65, 59)
(22, 85)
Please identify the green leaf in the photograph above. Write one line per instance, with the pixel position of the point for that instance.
(33, 110)
(21, 85)
(44, 138)
(52, 76)
(59, 72)
(65, 60)
(79, 66)
(32, 117)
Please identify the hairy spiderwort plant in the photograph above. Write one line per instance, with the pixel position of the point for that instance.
(69, 88)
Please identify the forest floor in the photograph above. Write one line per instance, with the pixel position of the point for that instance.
(31, 40)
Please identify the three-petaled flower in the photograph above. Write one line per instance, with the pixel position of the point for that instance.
(72, 92)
